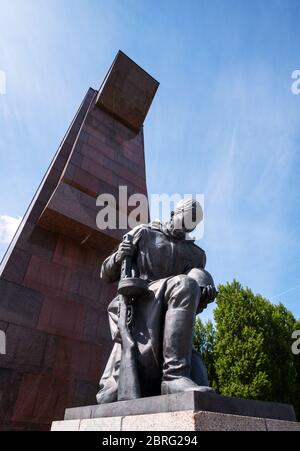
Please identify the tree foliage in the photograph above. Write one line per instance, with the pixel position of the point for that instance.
(248, 350)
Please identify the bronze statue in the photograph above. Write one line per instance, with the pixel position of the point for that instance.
(162, 287)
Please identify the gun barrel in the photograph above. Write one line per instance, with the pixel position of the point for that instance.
(129, 385)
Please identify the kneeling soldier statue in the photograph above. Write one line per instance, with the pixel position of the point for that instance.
(162, 287)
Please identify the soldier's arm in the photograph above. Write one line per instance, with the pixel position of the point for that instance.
(111, 267)
(202, 260)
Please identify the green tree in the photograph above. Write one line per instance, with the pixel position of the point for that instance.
(204, 342)
(297, 365)
(248, 351)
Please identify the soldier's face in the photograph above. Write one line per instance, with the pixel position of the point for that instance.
(187, 221)
(183, 222)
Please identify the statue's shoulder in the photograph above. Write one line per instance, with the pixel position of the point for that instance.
(155, 225)
(200, 253)
(138, 229)
(198, 248)
(142, 228)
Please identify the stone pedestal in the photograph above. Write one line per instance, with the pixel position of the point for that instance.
(191, 411)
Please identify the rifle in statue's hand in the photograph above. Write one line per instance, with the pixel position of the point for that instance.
(129, 288)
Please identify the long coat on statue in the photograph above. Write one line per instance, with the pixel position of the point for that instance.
(161, 259)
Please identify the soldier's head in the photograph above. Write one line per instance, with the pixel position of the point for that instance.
(187, 215)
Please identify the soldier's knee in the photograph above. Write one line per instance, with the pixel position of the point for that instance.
(182, 292)
(189, 285)
(188, 291)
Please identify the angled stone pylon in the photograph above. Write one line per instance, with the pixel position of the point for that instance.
(52, 302)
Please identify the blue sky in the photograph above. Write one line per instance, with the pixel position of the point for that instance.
(224, 122)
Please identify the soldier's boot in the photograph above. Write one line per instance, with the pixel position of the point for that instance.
(177, 353)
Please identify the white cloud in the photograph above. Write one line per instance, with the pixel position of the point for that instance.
(8, 227)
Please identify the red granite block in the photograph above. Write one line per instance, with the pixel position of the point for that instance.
(41, 272)
(13, 426)
(132, 155)
(104, 187)
(50, 353)
(94, 133)
(42, 398)
(106, 295)
(16, 266)
(79, 282)
(83, 136)
(129, 164)
(91, 154)
(81, 179)
(62, 317)
(132, 187)
(99, 116)
(89, 290)
(81, 359)
(68, 172)
(60, 162)
(102, 116)
(128, 92)
(99, 144)
(98, 171)
(66, 149)
(90, 287)
(75, 203)
(85, 234)
(93, 261)
(74, 283)
(125, 168)
(9, 388)
(135, 139)
(38, 241)
(96, 326)
(106, 129)
(25, 347)
(76, 157)
(85, 393)
(131, 176)
(46, 192)
(94, 154)
(53, 177)
(36, 211)
(18, 304)
(3, 326)
(89, 184)
(73, 133)
(69, 254)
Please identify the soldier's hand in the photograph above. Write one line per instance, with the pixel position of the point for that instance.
(125, 249)
(209, 294)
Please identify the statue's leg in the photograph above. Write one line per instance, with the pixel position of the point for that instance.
(181, 300)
